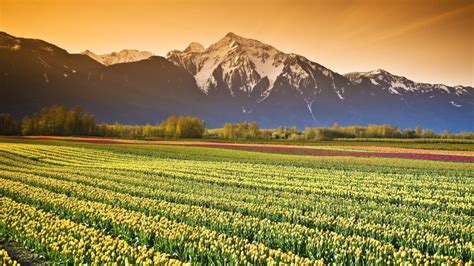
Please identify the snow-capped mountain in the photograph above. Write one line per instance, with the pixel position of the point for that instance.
(407, 90)
(124, 56)
(250, 70)
(233, 80)
(238, 62)
(401, 85)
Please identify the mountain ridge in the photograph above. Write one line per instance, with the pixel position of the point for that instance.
(235, 79)
(123, 56)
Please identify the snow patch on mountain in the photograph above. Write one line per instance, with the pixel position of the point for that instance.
(242, 70)
(309, 104)
(296, 75)
(393, 91)
(374, 82)
(455, 104)
(268, 68)
(459, 90)
(443, 87)
(340, 93)
(398, 84)
(204, 77)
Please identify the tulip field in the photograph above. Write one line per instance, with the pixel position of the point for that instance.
(138, 204)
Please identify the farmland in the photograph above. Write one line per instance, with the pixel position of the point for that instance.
(149, 203)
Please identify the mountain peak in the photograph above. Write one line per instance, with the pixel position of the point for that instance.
(231, 35)
(378, 71)
(235, 40)
(88, 52)
(242, 63)
(4, 34)
(231, 39)
(194, 47)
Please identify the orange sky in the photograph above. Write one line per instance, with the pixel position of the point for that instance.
(428, 41)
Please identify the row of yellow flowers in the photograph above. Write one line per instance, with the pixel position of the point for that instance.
(193, 243)
(440, 215)
(262, 230)
(67, 242)
(339, 215)
(318, 244)
(250, 171)
(429, 191)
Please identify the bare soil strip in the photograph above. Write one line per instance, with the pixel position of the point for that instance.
(20, 254)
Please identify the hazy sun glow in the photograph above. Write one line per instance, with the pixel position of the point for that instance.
(428, 41)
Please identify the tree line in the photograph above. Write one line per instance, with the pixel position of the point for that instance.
(251, 131)
(172, 127)
(62, 121)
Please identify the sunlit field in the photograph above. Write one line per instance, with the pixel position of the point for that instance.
(74, 203)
